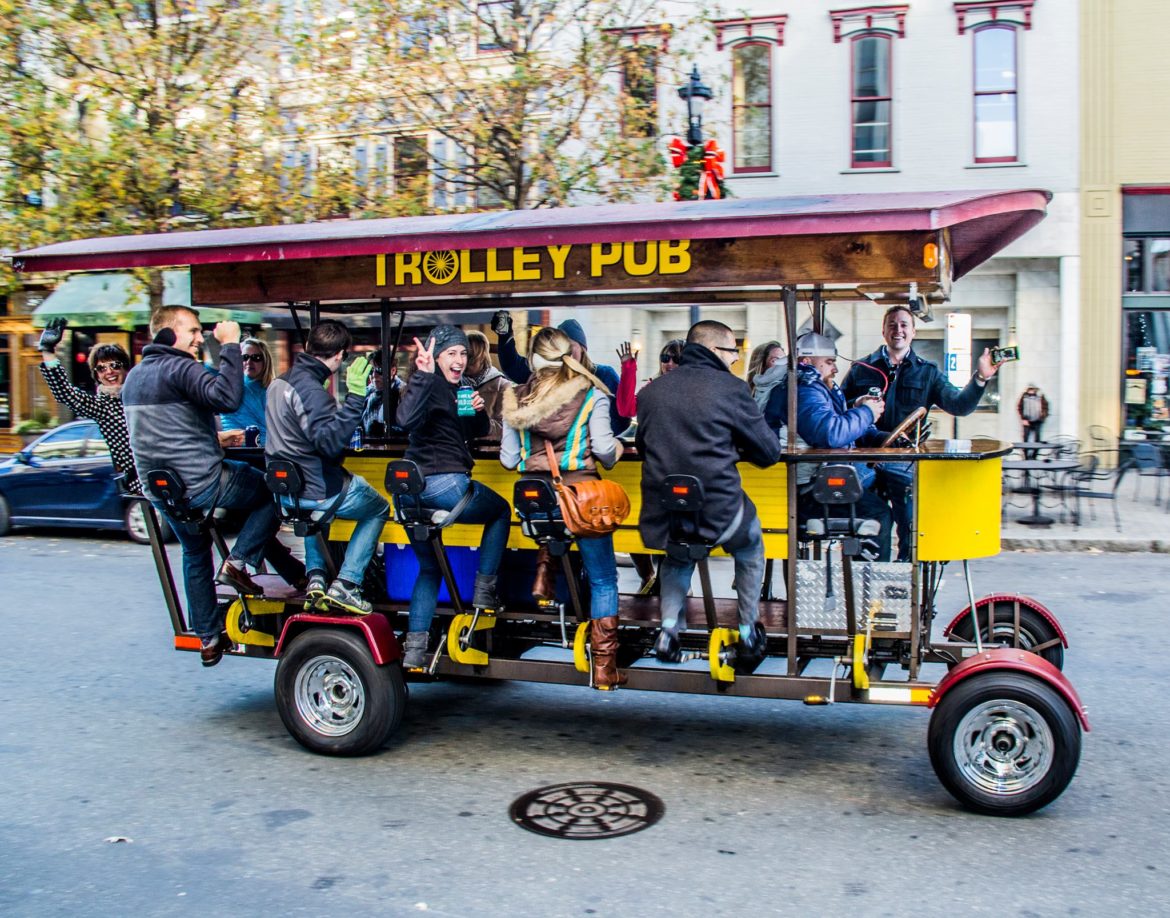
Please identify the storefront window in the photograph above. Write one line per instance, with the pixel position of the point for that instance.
(1147, 368)
(5, 385)
(1147, 265)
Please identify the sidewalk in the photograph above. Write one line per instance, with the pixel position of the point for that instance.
(1145, 526)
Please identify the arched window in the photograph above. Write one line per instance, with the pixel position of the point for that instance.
(996, 135)
(751, 100)
(871, 102)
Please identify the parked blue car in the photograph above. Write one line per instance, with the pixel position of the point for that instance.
(65, 478)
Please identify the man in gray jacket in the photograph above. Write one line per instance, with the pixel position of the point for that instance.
(171, 401)
(306, 426)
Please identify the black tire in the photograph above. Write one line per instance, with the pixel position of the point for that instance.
(999, 720)
(1035, 630)
(132, 519)
(5, 517)
(364, 702)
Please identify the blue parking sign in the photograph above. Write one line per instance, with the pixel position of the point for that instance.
(952, 362)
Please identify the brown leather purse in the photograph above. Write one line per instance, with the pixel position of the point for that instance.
(589, 508)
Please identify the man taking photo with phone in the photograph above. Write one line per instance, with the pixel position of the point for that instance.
(907, 382)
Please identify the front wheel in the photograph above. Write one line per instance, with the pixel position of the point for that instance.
(1036, 635)
(333, 698)
(1004, 743)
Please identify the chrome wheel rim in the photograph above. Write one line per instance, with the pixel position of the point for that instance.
(1003, 747)
(136, 522)
(330, 697)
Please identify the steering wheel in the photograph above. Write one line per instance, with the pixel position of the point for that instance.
(907, 422)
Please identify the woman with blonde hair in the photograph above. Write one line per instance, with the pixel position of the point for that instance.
(258, 375)
(565, 405)
(766, 369)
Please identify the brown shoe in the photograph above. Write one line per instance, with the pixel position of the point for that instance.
(603, 638)
(544, 585)
(237, 578)
(211, 652)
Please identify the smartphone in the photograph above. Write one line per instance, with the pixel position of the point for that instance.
(1004, 354)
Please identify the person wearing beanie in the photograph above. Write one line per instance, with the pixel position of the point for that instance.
(439, 438)
(824, 422)
(516, 368)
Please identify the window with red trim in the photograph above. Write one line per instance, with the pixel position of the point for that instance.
(872, 102)
(996, 90)
(751, 102)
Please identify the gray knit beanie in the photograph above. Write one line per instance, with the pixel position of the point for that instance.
(446, 336)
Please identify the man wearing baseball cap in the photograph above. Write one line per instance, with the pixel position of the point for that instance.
(823, 421)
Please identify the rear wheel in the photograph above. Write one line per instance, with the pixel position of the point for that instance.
(1004, 743)
(1037, 634)
(134, 518)
(333, 698)
(5, 517)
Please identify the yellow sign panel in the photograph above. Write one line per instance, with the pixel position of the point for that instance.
(656, 258)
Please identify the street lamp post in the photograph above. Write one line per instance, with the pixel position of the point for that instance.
(695, 93)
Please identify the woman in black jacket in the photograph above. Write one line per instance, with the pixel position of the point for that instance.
(438, 445)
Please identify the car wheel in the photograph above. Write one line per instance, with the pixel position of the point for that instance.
(135, 522)
(333, 698)
(5, 517)
(1004, 743)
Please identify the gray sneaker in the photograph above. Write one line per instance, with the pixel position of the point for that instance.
(315, 591)
(341, 597)
(415, 657)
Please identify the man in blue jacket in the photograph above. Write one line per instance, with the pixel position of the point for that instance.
(908, 382)
(171, 401)
(306, 426)
(824, 422)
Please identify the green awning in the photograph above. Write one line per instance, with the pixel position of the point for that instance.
(120, 300)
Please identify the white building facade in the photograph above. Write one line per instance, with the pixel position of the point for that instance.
(816, 97)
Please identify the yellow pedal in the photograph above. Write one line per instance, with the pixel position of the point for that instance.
(257, 607)
(814, 700)
(860, 659)
(460, 624)
(721, 639)
(580, 656)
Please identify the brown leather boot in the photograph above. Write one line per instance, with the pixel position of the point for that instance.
(603, 638)
(544, 585)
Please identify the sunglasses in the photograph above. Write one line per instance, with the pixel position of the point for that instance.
(728, 350)
(112, 365)
(252, 358)
(668, 358)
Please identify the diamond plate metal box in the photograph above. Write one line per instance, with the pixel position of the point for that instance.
(881, 589)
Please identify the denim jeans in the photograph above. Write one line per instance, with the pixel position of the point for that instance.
(895, 483)
(243, 489)
(369, 509)
(601, 569)
(443, 492)
(746, 547)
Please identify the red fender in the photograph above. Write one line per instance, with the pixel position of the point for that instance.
(374, 628)
(1026, 602)
(1008, 658)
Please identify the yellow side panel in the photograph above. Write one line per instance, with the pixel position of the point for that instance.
(957, 509)
(766, 487)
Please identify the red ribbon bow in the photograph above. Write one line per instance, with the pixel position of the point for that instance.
(713, 157)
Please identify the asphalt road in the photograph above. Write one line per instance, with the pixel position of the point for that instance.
(771, 808)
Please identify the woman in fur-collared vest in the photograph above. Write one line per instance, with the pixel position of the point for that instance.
(565, 405)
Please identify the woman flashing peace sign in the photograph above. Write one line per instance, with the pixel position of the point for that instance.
(439, 437)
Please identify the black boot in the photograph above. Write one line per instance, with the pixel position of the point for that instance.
(484, 596)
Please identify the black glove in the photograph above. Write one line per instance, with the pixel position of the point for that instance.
(502, 323)
(51, 336)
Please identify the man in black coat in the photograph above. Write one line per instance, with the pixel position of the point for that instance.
(908, 382)
(701, 420)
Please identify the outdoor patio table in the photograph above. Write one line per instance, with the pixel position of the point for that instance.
(1028, 466)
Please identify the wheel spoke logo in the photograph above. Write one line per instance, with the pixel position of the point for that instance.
(440, 267)
(586, 810)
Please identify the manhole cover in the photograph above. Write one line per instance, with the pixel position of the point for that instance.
(585, 811)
